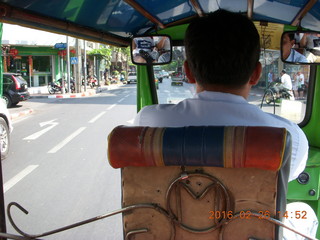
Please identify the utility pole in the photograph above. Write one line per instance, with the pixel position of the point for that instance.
(68, 65)
(85, 65)
(78, 66)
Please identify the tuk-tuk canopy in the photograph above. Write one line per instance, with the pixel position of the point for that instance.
(116, 21)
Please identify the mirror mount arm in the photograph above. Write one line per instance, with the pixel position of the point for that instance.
(152, 84)
(299, 27)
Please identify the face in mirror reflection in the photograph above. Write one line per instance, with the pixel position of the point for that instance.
(301, 47)
(151, 50)
(289, 53)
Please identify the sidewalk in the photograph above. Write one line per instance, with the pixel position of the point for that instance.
(42, 92)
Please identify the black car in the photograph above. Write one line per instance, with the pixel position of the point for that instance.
(15, 89)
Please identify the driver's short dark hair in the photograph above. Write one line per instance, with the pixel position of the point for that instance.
(222, 48)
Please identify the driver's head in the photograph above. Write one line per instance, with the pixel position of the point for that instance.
(222, 48)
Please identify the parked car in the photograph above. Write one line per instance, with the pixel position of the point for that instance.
(5, 129)
(15, 89)
(132, 77)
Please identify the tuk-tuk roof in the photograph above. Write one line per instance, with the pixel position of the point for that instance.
(116, 21)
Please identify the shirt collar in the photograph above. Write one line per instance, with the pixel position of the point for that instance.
(219, 96)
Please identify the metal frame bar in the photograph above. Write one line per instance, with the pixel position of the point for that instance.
(250, 4)
(145, 13)
(13, 15)
(197, 7)
(303, 11)
(2, 205)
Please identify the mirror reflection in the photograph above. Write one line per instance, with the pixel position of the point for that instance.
(300, 47)
(153, 50)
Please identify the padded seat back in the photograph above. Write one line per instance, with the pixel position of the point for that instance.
(201, 182)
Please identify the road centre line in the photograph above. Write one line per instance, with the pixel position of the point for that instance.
(97, 117)
(17, 178)
(112, 106)
(66, 140)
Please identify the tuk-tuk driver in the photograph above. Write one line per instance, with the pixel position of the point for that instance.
(223, 51)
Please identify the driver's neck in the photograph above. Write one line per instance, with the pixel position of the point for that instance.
(242, 91)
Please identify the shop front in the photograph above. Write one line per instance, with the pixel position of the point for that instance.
(38, 65)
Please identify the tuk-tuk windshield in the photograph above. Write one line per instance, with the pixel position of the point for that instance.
(271, 93)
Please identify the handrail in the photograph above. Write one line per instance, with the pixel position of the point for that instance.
(27, 236)
(35, 236)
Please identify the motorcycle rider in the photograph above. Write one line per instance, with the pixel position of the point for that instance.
(286, 83)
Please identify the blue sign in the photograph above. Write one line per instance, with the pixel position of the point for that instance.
(60, 45)
(74, 60)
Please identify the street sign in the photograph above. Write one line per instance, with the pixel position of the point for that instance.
(60, 45)
(74, 60)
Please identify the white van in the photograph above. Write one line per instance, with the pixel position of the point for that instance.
(132, 77)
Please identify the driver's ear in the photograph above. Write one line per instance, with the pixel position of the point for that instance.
(188, 72)
(255, 76)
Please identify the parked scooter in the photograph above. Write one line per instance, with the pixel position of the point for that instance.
(72, 85)
(91, 81)
(54, 87)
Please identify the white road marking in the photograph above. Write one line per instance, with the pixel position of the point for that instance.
(112, 106)
(66, 140)
(121, 100)
(97, 117)
(127, 96)
(43, 131)
(17, 178)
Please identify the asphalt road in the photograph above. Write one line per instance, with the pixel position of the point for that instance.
(58, 168)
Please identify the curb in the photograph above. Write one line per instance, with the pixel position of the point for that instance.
(75, 95)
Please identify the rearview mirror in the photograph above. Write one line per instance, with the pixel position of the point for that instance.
(151, 50)
(300, 47)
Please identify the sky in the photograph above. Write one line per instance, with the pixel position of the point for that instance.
(17, 35)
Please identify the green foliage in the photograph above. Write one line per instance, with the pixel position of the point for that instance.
(170, 67)
(124, 51)
(105, 52)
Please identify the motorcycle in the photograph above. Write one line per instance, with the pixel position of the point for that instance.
(72, 85)
(54, 87)
(275, 92)
(91, 81)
